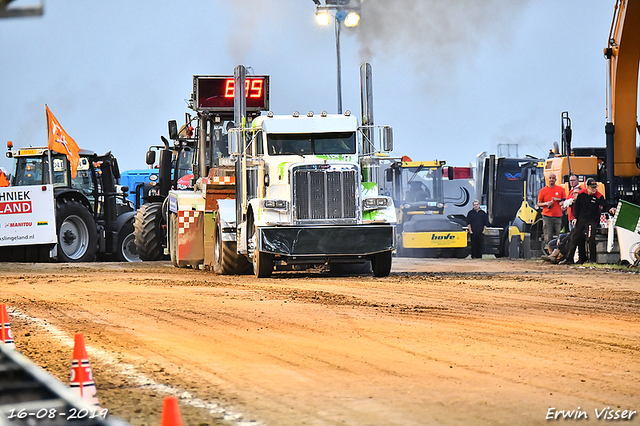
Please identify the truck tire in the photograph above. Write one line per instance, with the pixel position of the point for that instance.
(77, 233)
(226, 260)
(262, 262)
(127, 250)
(381, 264)
(149, 236)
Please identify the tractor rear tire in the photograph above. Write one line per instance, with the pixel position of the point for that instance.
(77, 232)
(149, 236)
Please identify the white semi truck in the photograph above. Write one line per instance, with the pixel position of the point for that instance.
(296, 191)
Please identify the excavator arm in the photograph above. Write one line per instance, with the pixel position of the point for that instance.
(623, 57)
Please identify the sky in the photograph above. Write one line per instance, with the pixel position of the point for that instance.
(453, 78)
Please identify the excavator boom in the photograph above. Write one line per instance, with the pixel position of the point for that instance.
(623, 55)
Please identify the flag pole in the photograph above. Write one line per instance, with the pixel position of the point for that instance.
(48, 148)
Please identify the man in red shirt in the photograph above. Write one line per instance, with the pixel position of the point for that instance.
(550, 199)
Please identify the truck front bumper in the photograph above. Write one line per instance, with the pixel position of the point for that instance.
(351, 240)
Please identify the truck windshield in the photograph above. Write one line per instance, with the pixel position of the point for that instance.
(314, 143)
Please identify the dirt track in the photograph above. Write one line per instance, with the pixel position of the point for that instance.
(439, 342)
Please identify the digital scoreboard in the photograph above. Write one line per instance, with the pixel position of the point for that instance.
(216, 93)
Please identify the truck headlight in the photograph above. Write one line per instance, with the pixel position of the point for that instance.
(275, 204)
(375, 203)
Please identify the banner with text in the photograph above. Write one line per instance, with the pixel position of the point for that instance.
(27, 215)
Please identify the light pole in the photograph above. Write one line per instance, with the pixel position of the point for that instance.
(344, 12)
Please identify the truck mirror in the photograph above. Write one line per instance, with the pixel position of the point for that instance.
(173, 129)
(115, 169)
(388, 175)
(450, 173)
(387, 139)
(151, 157)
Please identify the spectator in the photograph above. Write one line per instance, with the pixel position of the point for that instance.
(559, 247)
(477, 222)
(574, 190)
(549, 198)
(587, 209)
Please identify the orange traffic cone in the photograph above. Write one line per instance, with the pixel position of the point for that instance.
(6, 336)
(170, 412)
(81, 377)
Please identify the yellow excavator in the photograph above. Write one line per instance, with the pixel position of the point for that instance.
(616, 165)
(623, 58)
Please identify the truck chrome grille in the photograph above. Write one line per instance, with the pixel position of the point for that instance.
(325, 194)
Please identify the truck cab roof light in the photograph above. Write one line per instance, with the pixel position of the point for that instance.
(296, 114)
(347, 113)
(323, 114)
(310, 114)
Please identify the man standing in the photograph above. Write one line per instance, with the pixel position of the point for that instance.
(587, 208)
(477, 222)
(568, 204)
(550, 198)
(574, 189)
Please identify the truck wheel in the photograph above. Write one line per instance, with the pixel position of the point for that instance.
(262, 262)
(226, 260)
(173, 238)
(381, 264)
(77, 234)
(127, 250)
(148, 233)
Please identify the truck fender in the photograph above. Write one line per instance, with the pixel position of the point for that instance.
(227, 212)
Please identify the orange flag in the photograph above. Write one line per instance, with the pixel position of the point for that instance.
(60, 141)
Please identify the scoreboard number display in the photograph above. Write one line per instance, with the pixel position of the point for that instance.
(216, 93)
